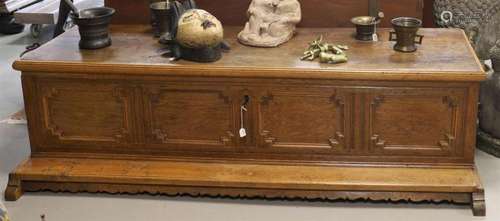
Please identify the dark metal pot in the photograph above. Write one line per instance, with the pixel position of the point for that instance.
(405, 34)
(365, 27)
(93, 27)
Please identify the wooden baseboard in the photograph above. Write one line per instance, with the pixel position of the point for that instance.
(460, 185)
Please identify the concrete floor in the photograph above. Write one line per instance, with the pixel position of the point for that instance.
(14, 147)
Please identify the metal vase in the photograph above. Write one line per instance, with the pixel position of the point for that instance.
(405, 34)
(93, 26)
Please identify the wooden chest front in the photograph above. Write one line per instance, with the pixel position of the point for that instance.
(299, 120)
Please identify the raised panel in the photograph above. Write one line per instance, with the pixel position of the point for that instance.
(418, 122)
(85, 113)
(310, 120)
(189, 116)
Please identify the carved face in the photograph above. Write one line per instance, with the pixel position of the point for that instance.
(273, 4)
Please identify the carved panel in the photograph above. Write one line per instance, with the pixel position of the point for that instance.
(297, 119)
(414, 121)
(189, 116)
(79, 113)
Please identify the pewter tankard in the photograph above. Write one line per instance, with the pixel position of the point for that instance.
(161, 17)
(405, 34)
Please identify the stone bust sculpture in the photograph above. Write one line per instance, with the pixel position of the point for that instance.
(270, 22)
(489, 117)
(480, 19)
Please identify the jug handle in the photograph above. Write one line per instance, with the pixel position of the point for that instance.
(420, 38)
(392, 36)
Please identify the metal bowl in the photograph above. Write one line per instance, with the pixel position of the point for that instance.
(407, 22)
(96, 13)
(365, 20)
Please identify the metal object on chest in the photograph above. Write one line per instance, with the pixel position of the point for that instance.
(405, 34)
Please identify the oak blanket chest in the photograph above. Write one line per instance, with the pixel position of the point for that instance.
(383, 126)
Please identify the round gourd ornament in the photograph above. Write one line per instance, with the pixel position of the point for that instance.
(199, 29)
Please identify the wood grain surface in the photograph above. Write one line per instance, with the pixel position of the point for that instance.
(443, 56)
(248, 175)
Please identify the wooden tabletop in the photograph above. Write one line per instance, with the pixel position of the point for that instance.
(444, 55)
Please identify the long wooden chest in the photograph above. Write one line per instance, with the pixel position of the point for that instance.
(385, 125)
